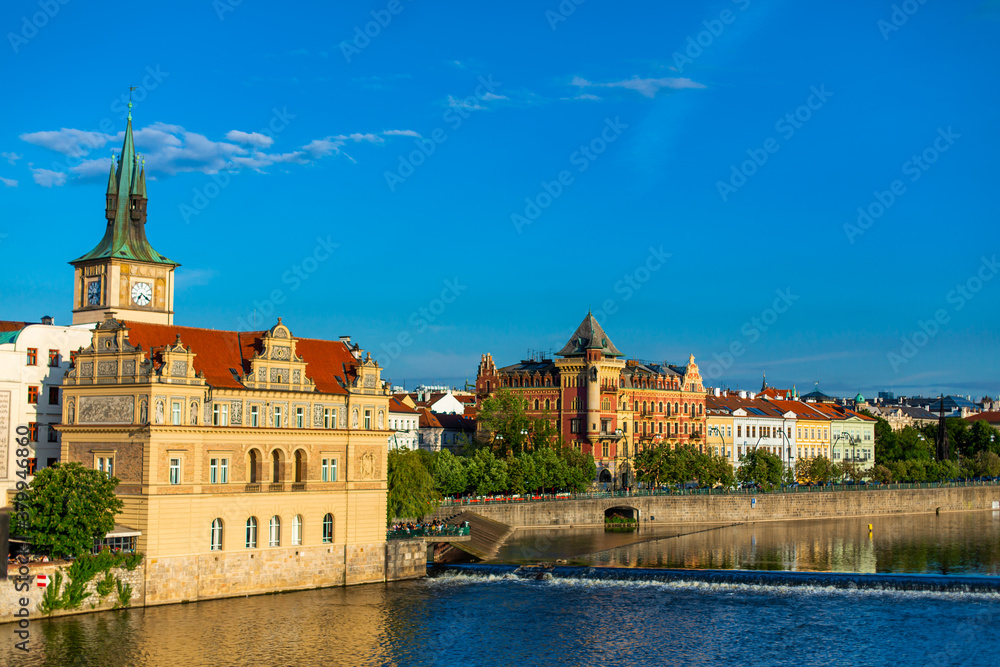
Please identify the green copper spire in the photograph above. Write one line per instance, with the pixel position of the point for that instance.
(125, 235)
(112, 187)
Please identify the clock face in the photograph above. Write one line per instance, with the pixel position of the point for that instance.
(94, 293)
(142, 294)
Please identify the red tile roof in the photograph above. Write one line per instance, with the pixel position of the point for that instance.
(219, 353)
(428, 419)
(8, 325)
(988, 417)
(396, 406)
(802, 410)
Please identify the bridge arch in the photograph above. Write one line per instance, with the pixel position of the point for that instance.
(623, 511)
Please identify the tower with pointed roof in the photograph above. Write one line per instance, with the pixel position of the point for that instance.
(590, 356)
(123, 274)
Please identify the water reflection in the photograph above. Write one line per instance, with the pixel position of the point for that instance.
(955, 543)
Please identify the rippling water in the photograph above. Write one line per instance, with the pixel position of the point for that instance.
(487, 616)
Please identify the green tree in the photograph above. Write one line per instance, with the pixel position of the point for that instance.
(68, 507)
(412, 492)
(504, 415)
(987, 464)
(580, 469)
(758, 466)
(449, 473)
(882, 473)
(550, 468)
(486, 474)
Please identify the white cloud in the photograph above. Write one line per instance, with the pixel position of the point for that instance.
(11, 157)
(467, 103)
(9, 182)
(252, 138)
(48, 178)
(69, 142)
(171, 149)
(645, 87)
(91, 168)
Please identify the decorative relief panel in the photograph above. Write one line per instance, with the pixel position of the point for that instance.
(367, 463)
(354, 418)
(369, 380)
(343, 418)
(128, 367)
(318, 416)
(261, 375)
(179, 368)
(281, 352)
(107, 409)
(87, 369)
(106, 368)
(159, 412)
(236, 413)
(279, 375)
(207, 412)
(296, 376)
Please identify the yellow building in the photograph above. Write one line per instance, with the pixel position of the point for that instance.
(248, 462)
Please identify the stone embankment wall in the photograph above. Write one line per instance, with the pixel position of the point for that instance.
(232, 574)
(11, 597)
(739, 508)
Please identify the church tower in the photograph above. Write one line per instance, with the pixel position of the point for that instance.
(123, 274)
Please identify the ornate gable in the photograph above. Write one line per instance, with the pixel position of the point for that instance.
(277, 365)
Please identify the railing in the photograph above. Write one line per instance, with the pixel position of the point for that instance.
(447, 531)
(639, 493)
(298, 486)
(275, 487)
(252, 488)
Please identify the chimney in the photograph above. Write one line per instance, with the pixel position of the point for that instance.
(718, 392)
(47, 320)
(743, 393)
(346, 340)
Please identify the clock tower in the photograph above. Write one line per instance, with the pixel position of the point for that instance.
(123, 274)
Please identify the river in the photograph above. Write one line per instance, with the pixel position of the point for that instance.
(489, 616)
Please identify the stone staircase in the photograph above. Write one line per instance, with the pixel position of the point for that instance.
(487, 535)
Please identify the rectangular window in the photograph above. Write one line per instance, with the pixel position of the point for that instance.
(32, 395)
(175, 471)
(220, 414)
(277, 416)
(53, 357)
(604, 450)
(254, 415)
(574, 425)
(213, 471)
(329, 418)
(33, 431)
(329, 470)
(175, 413)
(53, 395)
(106, 464)
(223, 471)
(368, 419)
(32, 356)
(53, 434)
(605, 426)
(300, 418)
(739, 429)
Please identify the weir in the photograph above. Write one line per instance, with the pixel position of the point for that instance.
(836, 580)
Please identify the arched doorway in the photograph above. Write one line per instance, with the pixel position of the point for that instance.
(254, 467)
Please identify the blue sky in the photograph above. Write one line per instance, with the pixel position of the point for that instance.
(473, 178)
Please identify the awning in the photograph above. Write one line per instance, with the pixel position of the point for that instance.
(123, 531)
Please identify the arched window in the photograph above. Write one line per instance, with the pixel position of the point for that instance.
(274, 532)
(277, 467)
(661, 427)
(487, 386)
(700, 408)
(547, 404)
(536, 403)
(300, 466)
(676, 408)
(252, 533)
(254, 466)
(328, 529)
(297, 530)
(661, 406)
(685, 408)
(217, 535)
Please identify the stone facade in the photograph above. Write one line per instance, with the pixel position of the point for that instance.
(739, 508)
(10, 596)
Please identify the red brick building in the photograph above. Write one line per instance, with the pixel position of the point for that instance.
(603, 404)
